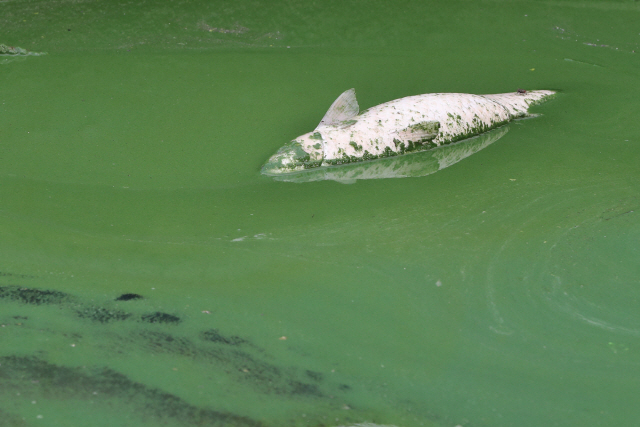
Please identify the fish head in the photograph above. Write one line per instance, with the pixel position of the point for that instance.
(304, 152)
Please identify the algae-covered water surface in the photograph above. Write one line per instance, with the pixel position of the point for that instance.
(150, 275)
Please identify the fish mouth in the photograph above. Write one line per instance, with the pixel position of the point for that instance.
(290, 158)
(304, 152)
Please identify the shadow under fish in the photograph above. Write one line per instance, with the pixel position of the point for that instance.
(411, 165)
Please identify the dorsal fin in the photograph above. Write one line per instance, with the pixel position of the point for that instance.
(345, 107)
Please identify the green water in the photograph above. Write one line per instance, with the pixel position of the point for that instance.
(500, 291)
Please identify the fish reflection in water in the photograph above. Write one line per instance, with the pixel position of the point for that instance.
(410, 165)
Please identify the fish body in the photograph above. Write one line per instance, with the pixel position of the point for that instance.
(405, 125)
(418, 164)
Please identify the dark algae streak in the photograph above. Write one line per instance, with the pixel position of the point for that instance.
(33, 376)
(219, 354)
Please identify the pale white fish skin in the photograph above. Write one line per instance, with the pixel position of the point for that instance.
(417, 122)
(416, 164)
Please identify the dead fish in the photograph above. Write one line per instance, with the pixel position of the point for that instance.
(401, 126)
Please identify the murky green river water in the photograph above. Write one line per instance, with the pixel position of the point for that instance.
(149, 275)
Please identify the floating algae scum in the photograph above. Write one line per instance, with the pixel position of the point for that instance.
(414, 123)
(13, 53)
(17, 51)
